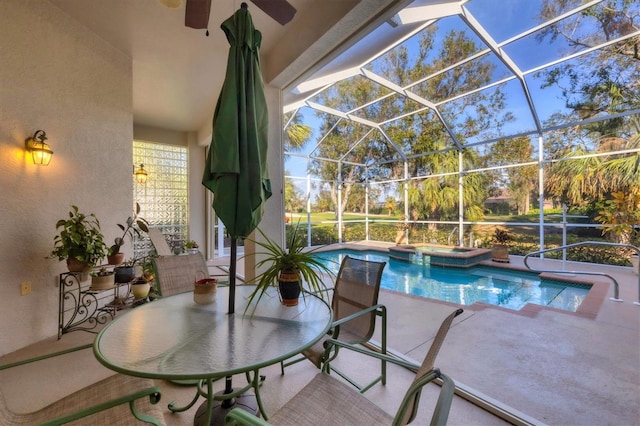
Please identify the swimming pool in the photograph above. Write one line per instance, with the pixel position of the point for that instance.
(497, 286)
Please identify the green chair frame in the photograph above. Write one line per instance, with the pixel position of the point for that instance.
(317, 402)
(355, 308)
(68, 408)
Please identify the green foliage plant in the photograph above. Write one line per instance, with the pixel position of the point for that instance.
(133, 225)
(79, 238)
(501, 236)
(620, 216)
(293, 258)
(191, 244)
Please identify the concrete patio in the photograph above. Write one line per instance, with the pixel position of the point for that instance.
(541, 365)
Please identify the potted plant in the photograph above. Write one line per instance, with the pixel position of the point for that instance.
(140, 288)
(191, 246)
(621, 219)
(133, 225)
(102, 279)
(80, 241)
(291, 269)
(500, 251)
(143, 279)
(126, 271)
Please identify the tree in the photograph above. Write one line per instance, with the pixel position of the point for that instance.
(390, 204)
(296, 134)
(521, 180)
(293, 200)
(421, 132)
(342, 137)
(605, 82)
(621, 216)
(357, 199)
(323, 201)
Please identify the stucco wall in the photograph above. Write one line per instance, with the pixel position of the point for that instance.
(59, 77)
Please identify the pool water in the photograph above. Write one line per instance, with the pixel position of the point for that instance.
(496, 286)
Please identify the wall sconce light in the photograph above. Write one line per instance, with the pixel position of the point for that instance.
(40, 151)
(140, 173)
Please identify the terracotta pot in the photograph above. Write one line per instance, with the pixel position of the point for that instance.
(289, 286)
(500, 254)
(115, 259)
(74, 265)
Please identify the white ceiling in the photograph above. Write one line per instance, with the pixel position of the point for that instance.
(178, 71)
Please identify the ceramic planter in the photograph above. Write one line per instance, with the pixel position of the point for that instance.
(102, 282)
(289, 286)
(124, 274)
(204, 291)
(140, 290)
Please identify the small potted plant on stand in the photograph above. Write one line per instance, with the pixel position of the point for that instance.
(191, 246)
(500, 251)
(140, 288)
(291, 269)
(133, 225)
(80, 241)
(143, 282)
(102, 279)
(125, 272)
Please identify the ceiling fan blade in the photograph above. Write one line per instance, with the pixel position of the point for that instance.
(196, 13)
(279, 10)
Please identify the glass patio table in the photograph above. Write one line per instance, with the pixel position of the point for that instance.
(174, 338)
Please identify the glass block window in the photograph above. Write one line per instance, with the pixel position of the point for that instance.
(164, 198)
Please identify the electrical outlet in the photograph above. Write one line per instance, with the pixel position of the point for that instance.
(25, 288)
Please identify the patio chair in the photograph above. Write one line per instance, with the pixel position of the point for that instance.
(103, 403)
(330, 401)
(355, 308)
(176, 273)
(159, 242)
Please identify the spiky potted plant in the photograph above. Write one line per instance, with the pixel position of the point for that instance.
(500, 251)
(291, 269)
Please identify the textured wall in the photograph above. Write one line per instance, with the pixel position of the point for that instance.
(56, 76)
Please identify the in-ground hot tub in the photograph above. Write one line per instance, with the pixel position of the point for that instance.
(438, 255)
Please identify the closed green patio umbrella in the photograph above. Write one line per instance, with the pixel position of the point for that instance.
(236, 167)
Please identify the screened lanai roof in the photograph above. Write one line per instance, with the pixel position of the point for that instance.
(478, 71)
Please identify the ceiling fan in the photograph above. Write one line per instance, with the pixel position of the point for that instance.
(197, 11)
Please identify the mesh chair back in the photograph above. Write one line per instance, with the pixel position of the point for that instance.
(357, 287)
(177, 273)
(159, 242)
(428, 364)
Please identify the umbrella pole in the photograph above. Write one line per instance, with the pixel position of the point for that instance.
(228, 386)
(246, 402)
(232, 275)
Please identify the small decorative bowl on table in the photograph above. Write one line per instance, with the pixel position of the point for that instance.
(204, 291)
